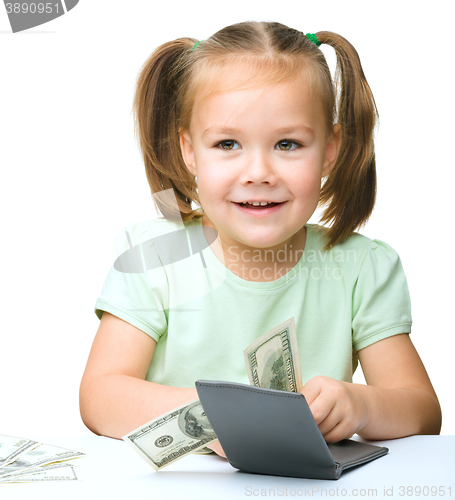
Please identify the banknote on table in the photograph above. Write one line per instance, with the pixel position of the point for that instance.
(12, 447)
(173, 435)
(51, 472)
(40, 456)
(272, 361)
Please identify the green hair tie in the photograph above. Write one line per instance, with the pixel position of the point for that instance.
(313, 38)
(196, 44)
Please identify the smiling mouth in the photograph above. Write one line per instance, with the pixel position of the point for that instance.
(258, 207)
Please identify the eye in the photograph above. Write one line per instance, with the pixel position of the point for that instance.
(287, 144)
(228, 145)
(228, 142)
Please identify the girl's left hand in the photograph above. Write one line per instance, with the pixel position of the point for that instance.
(216, 447)
(336, 406)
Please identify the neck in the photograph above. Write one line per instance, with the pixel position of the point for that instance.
(256, 264)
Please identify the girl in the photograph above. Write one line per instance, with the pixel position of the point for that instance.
(248, 134)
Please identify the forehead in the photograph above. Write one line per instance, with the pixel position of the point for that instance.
(281, 105)
(238, 95)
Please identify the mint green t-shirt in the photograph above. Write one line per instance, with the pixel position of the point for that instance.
(168, 283)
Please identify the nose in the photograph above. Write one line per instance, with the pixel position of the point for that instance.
(258, 168)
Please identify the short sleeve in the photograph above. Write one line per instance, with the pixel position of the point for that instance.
(130, 292)
(381, 305)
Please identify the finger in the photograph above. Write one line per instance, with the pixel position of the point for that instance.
(330, 422)
(320, 408)
(216, 447)
(213, 445)
(340, 431)
(311, 390)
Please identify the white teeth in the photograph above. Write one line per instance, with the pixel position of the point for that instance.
(256, 203)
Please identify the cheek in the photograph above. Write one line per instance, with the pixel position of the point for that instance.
(306, 172)
(213, 179)
(306, 184)
(211, 188)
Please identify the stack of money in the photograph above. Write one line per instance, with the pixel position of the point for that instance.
(272, 362)
(24, 460)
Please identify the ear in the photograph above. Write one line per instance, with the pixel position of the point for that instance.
(331, 150)
(186, 147)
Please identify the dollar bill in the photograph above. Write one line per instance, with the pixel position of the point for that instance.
(41, 455)
(273, 361)
(172, 436)
(52, 472)
(12, 447)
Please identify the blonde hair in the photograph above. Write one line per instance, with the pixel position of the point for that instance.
(174, 76)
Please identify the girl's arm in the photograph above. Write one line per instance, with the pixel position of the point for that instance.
(398, 401)
(114, 397)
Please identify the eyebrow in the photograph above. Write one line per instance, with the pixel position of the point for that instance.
(283, 130)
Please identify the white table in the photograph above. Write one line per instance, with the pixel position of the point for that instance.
(111, 470)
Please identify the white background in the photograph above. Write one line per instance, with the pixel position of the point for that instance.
(72, 174)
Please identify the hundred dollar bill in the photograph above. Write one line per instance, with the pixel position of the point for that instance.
(26, 472)
(41, 455)
(273, 362)
(52, 472)
(172, 436)
(12, 447)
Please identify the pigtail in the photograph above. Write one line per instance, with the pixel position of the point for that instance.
(350, 188)
(155, 117)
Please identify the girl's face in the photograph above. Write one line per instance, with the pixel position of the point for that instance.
(261, 144)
